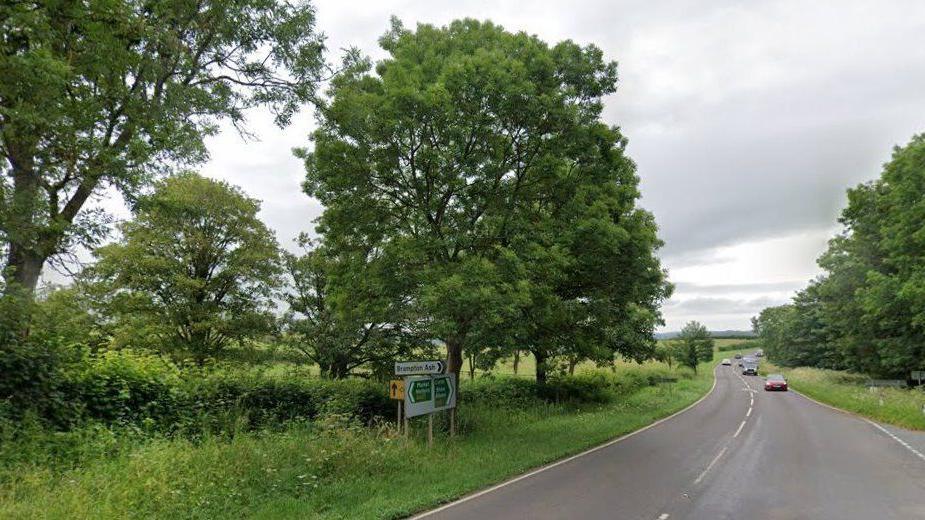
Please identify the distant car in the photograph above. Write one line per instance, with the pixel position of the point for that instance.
(738, 356)
(759, 354)
(750, 367)
(775, 382)
(726, 362)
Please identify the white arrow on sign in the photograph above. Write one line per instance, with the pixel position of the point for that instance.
(414, 368)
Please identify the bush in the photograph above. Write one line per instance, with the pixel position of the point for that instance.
(127, 387)
(260, 401)
(508, 392)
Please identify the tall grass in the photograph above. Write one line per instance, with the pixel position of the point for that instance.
(334, 467)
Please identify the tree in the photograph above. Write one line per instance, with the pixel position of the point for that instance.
(694, 345)
(461, 158)
(194, 271)
(345, 312)
(106, 94)
(865, 313)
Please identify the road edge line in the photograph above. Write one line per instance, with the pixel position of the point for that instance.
(871, 422)
(570, 458)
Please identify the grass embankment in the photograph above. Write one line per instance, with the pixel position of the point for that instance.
(329, 469)
(901, 407)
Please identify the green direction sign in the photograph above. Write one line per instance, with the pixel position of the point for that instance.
(421, 391)
(429, 394)
(441, 391)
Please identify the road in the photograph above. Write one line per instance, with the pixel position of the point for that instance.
(741, 453)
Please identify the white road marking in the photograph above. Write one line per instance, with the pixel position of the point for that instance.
(739, 430)
(914, 451)
(663, 516)
(749, 413)
(568, 459)
(709, 466)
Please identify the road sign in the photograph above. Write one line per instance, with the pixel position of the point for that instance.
(415, 368)
(429, 394)
(397, 389)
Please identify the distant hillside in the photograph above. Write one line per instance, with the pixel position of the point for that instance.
(715, 333)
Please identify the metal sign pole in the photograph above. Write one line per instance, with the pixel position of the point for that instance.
(430, 430)
(398, 416)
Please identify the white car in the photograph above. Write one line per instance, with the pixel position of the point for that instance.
(727, 362)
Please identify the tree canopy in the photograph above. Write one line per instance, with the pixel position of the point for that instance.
(474, 160)
(867, 311)
(107, 94)
(194, 271)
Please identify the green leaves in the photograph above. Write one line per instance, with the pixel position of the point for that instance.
(112, 93)
(867, 312)
(473, 162)
(194, 271)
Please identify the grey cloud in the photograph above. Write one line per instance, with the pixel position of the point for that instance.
(721, 306)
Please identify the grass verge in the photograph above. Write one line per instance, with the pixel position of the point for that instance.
(332, 468)
(900, 407)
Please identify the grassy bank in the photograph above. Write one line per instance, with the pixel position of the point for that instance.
(844, 390)
(332, 468)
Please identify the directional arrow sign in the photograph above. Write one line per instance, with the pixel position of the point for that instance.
(413, 368)
(429, 394)
(397, 389)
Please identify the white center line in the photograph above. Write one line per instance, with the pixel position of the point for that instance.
(718, 455)
(663, 516)
(749, 412)
(739, 430)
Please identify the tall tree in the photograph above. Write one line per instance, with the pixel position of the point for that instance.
(106, 94)
(448, 159)
(694, 345)
(346, 312)
(194, 271)
(866, 312)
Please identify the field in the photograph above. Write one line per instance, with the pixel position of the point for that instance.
(334, 468)
(901, 407)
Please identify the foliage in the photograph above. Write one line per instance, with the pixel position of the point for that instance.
(106, 94)
(473, 161)
(311, 470)
(866, 312)
(194, 271)
(346, 311)
(694, 345)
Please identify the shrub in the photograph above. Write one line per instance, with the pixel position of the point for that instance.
(127, 387)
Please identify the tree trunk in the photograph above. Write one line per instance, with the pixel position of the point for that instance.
(571, 366)
(25, 267)
(541, 367)
(471, 367)
(454, 358)
(24, 259)
(516, 360)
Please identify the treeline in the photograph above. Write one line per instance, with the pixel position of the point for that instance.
(475, 206)
(866, 313)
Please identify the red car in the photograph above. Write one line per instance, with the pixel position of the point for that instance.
(775, 382)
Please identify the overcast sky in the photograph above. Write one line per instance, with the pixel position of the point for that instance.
(748, 121)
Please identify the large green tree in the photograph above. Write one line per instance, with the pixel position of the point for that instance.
(194, 272)
(346, 311)
(867, 311)
(103, 95)
(460, 157)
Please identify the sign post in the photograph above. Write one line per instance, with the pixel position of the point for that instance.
(397, 393)
(425, 390)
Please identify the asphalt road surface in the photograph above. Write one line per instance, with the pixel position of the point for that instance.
(741, 453)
